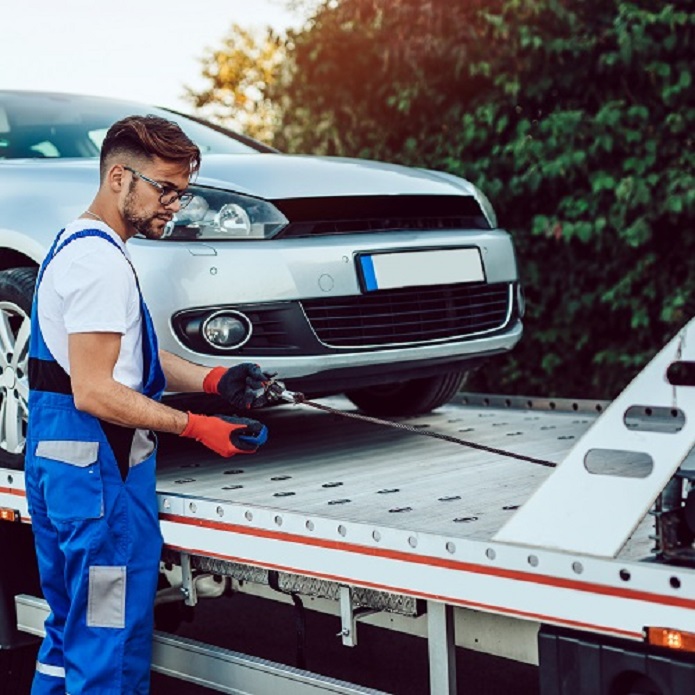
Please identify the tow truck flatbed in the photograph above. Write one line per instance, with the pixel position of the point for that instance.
(365, 508)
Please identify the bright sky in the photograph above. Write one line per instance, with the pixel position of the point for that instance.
(143, 50)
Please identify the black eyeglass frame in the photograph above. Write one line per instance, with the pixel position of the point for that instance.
(167, 195)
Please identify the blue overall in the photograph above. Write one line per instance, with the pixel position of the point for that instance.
(95, 525)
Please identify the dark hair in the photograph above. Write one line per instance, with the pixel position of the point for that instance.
(149, 136)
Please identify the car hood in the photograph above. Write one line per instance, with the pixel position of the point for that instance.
(269, 176)
(281, 176)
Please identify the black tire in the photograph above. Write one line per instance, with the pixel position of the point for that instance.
(18, 576)
(409, 397)
(17, 668)
(16, 294)
(169, 616)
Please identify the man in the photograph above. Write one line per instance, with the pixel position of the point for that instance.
(96, 377)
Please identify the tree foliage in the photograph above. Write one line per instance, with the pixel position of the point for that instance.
(576, 117)
(239, 76)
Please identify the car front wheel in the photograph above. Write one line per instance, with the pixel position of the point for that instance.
(412, 397)
(16, 292)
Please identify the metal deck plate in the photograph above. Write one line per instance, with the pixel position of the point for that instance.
(331, 467)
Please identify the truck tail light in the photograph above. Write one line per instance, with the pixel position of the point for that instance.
(670, 639)
(7, 514)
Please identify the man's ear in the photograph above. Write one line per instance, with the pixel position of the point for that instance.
(115, 178)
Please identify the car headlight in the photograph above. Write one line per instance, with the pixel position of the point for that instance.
(221, 215)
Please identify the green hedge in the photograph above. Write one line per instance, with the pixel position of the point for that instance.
(576, 118)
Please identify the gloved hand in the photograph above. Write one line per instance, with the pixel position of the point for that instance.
(226, 435)
(245, 386)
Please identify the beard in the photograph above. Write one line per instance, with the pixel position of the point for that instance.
(151, 226)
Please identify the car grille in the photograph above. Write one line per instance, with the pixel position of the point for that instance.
(327, 216)
(410, 315)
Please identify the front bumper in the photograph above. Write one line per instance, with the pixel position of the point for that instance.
(295, 273)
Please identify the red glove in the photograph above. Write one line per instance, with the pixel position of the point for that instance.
(211, 382)
(244, 386)
(223, 435)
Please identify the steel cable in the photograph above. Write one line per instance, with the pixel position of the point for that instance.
(300, 400)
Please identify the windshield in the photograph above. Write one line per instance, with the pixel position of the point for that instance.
(61, 125)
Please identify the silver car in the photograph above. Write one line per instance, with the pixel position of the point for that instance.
(383, 282)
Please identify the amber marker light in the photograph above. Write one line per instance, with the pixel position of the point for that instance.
(670, 639)
(8, 514)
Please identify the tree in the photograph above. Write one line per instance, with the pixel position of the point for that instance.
(239, 75)
(576, 117)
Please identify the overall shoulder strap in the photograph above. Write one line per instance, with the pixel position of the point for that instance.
(82, 234)
(87, 233)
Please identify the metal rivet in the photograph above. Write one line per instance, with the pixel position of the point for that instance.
(376, 536)
(192, 506)
(342, 530)
(625, 575)
(166, 504)
(412, 542)
(675, 582)
(248, 516)
(532, 560)
(309, 525)
(577, 567)
(10, 479)
(278, 520)
(220, 511)
(451, 547)
(490, 554)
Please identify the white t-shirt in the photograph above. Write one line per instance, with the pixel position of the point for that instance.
(89, 287)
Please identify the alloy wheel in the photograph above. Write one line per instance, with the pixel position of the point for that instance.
(14, 381)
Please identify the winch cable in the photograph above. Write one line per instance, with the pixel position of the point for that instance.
(298, 399)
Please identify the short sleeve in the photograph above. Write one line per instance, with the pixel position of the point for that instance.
(96, 291)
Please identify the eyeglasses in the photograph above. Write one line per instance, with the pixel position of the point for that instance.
(167, 195)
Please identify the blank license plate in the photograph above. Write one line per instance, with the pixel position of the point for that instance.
(387, 271)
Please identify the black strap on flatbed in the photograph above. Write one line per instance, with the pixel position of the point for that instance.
(300, 400)
(299, 617)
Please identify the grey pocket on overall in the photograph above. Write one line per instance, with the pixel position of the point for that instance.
(71, 478)
(106, 598)
(75, 453)
(144, 445)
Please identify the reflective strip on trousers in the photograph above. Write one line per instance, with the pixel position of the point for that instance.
(48, 670)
